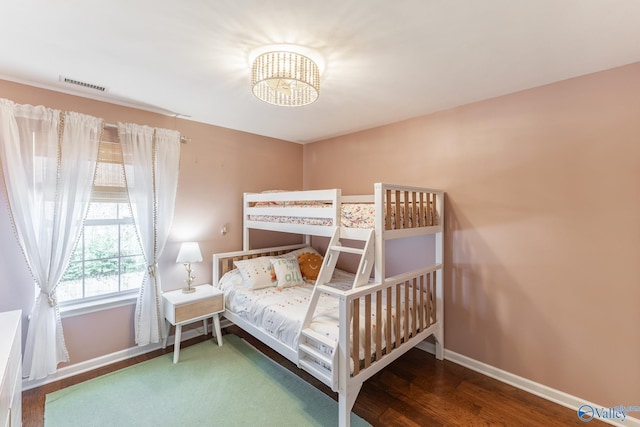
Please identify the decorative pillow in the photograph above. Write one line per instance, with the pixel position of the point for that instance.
(293, 254)
(256, 272)
(287, 272)
(310, 264)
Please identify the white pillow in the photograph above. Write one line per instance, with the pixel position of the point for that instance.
(256, 272)
(287, 272)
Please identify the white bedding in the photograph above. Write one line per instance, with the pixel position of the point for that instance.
(281, 312)
(353, 215)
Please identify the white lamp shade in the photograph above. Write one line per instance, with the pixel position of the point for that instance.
(189, 252)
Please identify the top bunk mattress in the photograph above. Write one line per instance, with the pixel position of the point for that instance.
(352, 215)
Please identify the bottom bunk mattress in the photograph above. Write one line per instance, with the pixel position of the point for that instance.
(280, 312)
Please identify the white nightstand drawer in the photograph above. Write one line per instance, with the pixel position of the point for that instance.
(199, 308)
(180, 307)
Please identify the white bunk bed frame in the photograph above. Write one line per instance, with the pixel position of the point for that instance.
(418, 292)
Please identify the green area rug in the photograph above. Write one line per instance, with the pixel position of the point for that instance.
(232, 385)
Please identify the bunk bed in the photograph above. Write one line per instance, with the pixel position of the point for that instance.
(344, 327)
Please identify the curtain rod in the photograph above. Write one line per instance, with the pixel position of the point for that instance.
(183, 139)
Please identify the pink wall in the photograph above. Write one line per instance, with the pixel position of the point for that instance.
(216, 166)
(542, 228)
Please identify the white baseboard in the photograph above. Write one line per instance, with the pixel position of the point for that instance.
(98, 362)
(540, 390)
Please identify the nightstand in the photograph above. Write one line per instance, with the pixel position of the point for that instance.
(181, 308)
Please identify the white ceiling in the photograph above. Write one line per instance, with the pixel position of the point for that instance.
(385, 60)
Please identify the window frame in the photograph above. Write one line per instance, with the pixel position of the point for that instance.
(108, 300)
(81, 307)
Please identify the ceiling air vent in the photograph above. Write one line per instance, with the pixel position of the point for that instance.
(82, 84)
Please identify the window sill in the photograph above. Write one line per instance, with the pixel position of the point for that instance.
(86, 307)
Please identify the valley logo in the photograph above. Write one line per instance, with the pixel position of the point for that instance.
(587, 412)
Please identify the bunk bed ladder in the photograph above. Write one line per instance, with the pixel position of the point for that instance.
(333, 252)
(316, 353)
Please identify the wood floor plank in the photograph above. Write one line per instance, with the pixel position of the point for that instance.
(415, 390)
(393, 418)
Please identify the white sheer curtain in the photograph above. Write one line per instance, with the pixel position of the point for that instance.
(152, 158)
(48, 168)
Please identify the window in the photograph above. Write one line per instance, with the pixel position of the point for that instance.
(108, 259)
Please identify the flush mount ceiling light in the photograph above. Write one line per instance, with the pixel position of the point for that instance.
(285, 78)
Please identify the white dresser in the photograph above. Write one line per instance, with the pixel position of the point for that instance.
(10, 369)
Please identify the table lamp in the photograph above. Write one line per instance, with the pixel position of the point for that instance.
(189, 252)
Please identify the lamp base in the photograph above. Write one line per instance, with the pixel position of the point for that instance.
(188, 290)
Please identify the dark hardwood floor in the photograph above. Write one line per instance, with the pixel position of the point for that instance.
(415, 390)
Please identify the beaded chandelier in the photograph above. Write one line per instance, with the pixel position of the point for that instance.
(285, 78)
